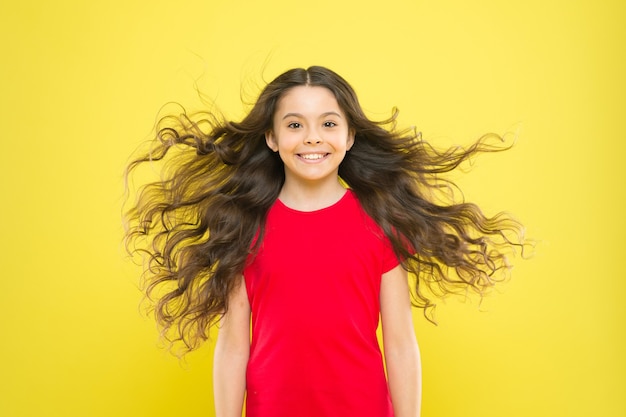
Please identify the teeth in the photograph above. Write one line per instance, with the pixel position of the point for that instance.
(313, 156)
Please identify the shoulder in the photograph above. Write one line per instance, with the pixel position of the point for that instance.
(357, 210)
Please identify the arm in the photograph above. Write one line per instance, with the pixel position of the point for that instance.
(231, 355)
(404, 370)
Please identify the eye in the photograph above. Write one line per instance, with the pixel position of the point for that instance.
(330, 124)
(294, 125)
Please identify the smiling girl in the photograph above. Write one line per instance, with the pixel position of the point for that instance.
(293, 231)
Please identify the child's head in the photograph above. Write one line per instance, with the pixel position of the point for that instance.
(370, 140)
(311, 134)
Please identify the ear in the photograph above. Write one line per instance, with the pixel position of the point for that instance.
(350, 142)
(270, 139)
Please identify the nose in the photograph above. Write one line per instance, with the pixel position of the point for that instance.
(313, 137)
(313, 140)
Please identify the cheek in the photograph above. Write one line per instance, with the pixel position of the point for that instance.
(345, 140)
(288, 139)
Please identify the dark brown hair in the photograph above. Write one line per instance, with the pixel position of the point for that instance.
(196, 225)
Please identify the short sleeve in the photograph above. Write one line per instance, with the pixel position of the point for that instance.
(390, 260)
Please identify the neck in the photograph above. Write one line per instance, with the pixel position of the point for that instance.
(309, 197)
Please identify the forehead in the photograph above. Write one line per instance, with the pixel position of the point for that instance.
(307, 99)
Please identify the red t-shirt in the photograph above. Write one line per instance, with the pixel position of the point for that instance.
(314, 291)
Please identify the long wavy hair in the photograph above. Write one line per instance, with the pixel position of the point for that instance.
(196, 226)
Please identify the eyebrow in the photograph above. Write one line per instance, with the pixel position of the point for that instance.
(328, 113)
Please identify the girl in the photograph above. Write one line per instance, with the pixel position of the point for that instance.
(293, 231)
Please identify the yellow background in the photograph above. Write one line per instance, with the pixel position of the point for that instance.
(81, 83)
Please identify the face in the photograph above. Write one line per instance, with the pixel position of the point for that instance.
(311, 134)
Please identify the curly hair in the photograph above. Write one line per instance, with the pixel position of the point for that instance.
(199, 224)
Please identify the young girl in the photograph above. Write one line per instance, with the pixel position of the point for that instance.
(293, 232)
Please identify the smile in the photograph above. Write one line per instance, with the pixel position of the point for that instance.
(313, 156)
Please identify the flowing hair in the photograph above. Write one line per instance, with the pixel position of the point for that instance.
(198, 225)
